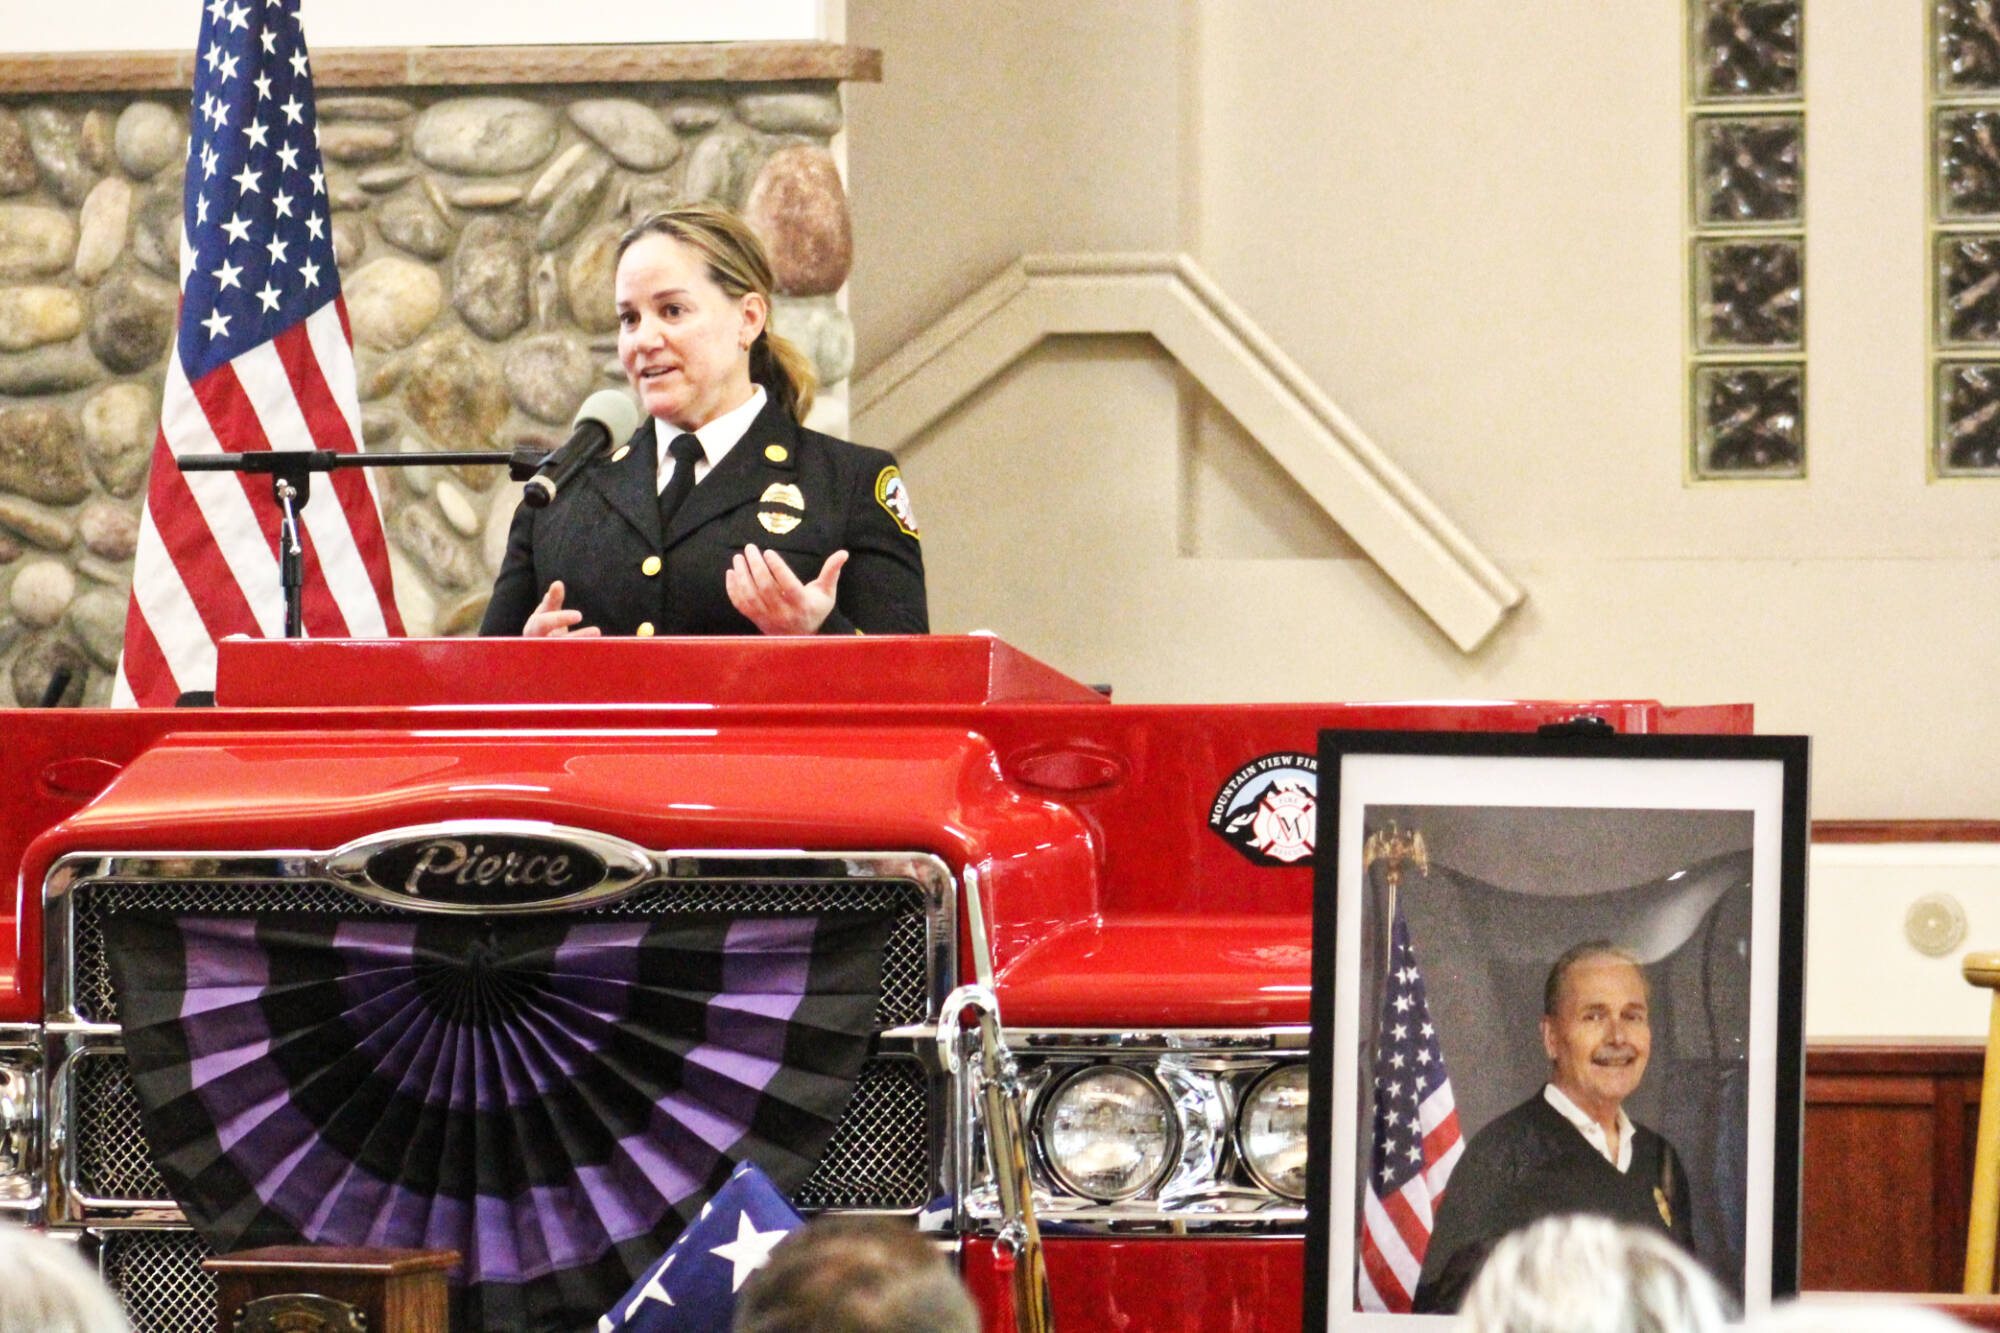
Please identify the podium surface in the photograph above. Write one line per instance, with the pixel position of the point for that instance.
(858, 669)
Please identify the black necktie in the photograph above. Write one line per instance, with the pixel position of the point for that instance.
(684, 449)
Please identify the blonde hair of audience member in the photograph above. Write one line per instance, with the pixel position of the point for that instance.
(46, 1288)
(1839, 1315)
(1581, 1274)
(738, 265)
(855, 1275)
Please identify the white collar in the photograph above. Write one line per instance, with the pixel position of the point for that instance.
(1593, 1132)
(717, 438)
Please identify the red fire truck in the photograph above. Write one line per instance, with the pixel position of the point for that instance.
(1130, 884)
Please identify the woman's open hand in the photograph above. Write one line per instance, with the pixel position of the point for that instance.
(764, 588)
(550, 621)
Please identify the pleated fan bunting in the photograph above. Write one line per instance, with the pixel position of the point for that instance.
(554, 1098)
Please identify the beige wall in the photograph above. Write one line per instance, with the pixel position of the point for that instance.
(164, 25)
(1465, 223)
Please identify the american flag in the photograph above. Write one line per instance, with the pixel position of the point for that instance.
(692, 1289)
(1415, 1140)
(262, 359)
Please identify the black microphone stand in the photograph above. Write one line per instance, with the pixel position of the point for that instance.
(290, 471)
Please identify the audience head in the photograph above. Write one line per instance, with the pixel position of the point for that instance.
(46, 1288)
(855, 1275)
(1580, 1274)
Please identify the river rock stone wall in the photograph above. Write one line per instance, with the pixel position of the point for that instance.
(475, 233)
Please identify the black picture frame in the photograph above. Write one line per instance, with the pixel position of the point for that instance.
(1628, 829)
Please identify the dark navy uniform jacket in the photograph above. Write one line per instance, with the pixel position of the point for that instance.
(794, 491)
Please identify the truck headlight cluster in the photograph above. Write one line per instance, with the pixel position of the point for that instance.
(1271, 1131)
(1107, 1133)
(1136, 1131)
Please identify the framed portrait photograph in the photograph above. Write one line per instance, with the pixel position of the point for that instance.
(1552, 974)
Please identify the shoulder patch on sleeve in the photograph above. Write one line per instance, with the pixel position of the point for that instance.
(894, 497)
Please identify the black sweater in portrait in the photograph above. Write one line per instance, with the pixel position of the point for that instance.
(1532, 1163)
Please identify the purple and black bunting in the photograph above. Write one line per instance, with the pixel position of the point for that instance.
(553, 1098)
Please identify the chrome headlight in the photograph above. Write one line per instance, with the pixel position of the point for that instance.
(1271, 1131)
(20, 1129)
(1107, 1133)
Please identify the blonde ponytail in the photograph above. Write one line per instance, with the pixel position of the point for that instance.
(785, 371)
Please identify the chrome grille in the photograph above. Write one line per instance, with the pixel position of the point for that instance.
(112, 1161)
(905, 978)
(159, 1277)
(876, 1158)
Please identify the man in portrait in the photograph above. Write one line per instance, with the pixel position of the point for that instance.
(1570, 1148)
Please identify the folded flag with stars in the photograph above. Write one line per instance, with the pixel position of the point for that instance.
(692, 1289)
(263, 358)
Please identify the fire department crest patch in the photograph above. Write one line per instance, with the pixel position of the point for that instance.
(894, 496)
(1269, 809)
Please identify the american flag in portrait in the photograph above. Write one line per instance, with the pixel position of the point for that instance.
(262, 359)
(1414, 1136)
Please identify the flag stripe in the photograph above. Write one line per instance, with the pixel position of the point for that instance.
(1369, 1296)
(332, 338)
(333, 355)
(178, 505)
(223, 502)
(1392, 1269)
(1412, 1227)
(345, 523)
(142, 659)
(165, 618)
(269, 392)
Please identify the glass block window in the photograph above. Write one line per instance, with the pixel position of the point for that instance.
(1965, 238)
(1746, 48)
(1746, 239)
(1968, 417)
(1749, 420)
(1966, 43)
(1747, 170)
(1747, 294)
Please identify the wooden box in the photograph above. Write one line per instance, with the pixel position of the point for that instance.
(327, 1289)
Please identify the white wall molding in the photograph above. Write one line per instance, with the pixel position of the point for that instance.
(1171, 299)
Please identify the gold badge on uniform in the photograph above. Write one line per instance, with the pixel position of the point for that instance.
(781, 493)
(894, 497)
(777, 453)
(623, 450)
(779, 524)
(1666, 1212)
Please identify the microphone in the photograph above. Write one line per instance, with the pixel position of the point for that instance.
(605, 416)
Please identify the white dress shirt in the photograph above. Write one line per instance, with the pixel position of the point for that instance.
(1593, 1132)
(717, 438)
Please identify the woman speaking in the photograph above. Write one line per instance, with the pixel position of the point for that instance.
(722, 514)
